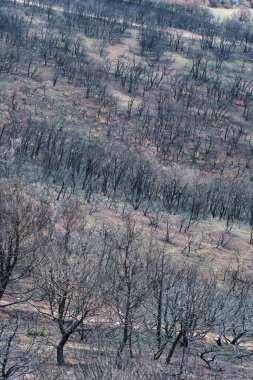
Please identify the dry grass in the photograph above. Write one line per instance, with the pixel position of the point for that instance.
(223, 13)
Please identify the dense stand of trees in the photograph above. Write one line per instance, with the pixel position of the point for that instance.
(71, 165)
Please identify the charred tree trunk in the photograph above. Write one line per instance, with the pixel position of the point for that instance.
(60, 350)
(173, 347)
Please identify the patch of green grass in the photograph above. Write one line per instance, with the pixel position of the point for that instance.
(33, 331)
(55, 93)
(3, 85)
(146, 338)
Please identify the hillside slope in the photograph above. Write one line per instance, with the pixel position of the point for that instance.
(126, 223)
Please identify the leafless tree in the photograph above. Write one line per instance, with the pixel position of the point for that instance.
(23, 231)
(127, 270)
(71, 277)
